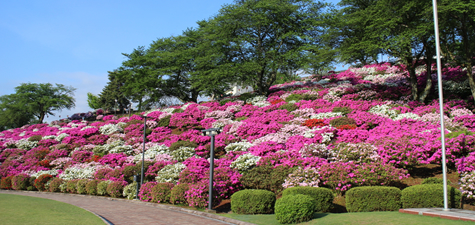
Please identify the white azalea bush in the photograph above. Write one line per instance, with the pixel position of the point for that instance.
(170, 173)
(245, 162)
(359, 152)
(302, 177)
(183, 153)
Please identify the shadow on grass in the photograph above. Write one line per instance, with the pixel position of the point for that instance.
(319, 215)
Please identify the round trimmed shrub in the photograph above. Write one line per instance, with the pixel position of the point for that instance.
(373, 198)
(429, 195)
(294, 97)
(20, 181)
(55, 184)
(434, 180)
(294, 208)
(102, 187)
(164, 122)
(81, 186)
(289, 107)
(266, 177)
(91, 187)
(253, 201)
(323, 196)
(130, 191)
(177, 194)
(161, 192)
(6, 183)
(145, 193)
(41, 181)
(340, 121)
(71, 186)
(115, 189)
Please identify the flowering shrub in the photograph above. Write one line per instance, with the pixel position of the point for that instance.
(20, 181)
(177, 194)
(130, 190)
(161, 192)
(91, 187)
(54, 185)
(41, 181)
(308, 177)
(145, 193)
(115, 189)
(6, 183)
(245, 162)
(102, 187)
(311, 123)
(170, 173)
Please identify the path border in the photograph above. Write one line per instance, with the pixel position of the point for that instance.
(156, 205)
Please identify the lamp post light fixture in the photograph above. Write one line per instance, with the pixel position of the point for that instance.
(115, 107)
(211, 132)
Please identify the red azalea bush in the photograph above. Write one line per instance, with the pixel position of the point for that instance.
(41, 181)
(6, 183)
(311, 123)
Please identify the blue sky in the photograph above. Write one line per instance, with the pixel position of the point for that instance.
(75, 43)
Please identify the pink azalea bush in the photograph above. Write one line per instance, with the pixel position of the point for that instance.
(389, 135)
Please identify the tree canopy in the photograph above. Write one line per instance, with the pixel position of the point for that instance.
(31, 102)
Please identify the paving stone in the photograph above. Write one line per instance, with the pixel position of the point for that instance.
(122, 211)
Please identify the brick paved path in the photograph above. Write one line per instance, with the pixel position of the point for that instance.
(121, 211)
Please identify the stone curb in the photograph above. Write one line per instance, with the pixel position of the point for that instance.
(156, 205)
(442, 214)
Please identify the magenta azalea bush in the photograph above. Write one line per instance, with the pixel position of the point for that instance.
(356, 128)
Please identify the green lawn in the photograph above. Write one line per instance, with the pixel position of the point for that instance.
(17, 209)
(371, 218)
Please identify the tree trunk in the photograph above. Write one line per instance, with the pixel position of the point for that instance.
(428, 87)
(42, 117)
(411, 68)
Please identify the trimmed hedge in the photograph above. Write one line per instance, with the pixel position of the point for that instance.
(54, 184)
(177, 194)
(6, 183)
(91, 187)
(20, 181)
(81, 186)
(373, 198)
(323, 196)
(41, 181)
(253, 201)
(294, 208)
(429, 195)
(161, 192)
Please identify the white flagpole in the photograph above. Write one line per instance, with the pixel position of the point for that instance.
(441, 102)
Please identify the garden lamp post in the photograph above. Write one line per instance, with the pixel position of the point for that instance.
(441, 102)
(115, 108)
(211, 132)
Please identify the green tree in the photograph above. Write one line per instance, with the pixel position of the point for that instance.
(251, 41)
(457, 35)
(13, 113)
(93, 101)
(37, 100)
(111, 96)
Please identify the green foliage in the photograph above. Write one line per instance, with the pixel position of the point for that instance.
(323, 196)
(252, 201)
(31, 183)
(458, 133)
(294, 97)
(54, 184)
(434, 180)
(130, 191)
(93, 101)
(178, 110)
(342, 121)
(81, 186)
(241, 118)
(91, 187)
(72, 186)
(266, 177)
(102, 187)
(343, 110)
(255, 42)
(115, 189)
(246, 96)
(161, 192)
(40, 100)
(308, 97)
(20, 182)
(177, 194)
(179, 144)
(289, 107)
(164, 122)
(429, 196)
(40, 182)
(294, 209)
(112, 97)
(224, 101)
(35, 138)
(6, 183)
(373, 198)
(131, 122)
